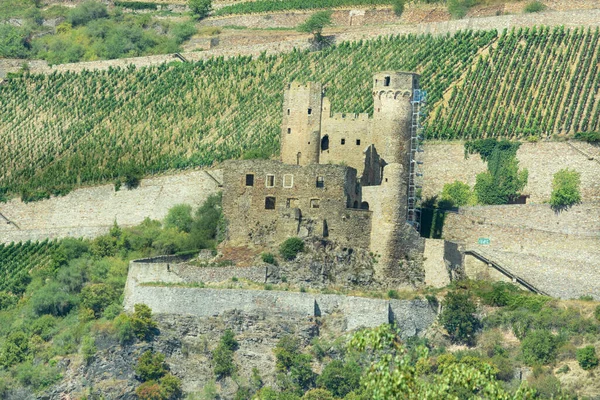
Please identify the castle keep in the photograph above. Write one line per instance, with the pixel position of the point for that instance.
(346, 178)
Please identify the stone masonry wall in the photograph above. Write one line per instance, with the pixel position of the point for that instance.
(445, 163)
(412, 317)
(89, 212)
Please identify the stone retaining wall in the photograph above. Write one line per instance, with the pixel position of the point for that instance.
(412, 317)
(89, 212)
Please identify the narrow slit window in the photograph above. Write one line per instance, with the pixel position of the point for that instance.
(310, 111)
(288, 111)
(270, 203)
(386, 81)
(270, 182)
(320, 182)
(358, 142)
(343, 141)
(289, 130)
(249, 179)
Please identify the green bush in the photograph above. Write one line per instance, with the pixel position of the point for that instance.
(7, 300)
(591, 137)
(223, 355)
(340, 378)
(597, 313)
(151, 366)
(97, 297)
(565, 189)
(268, 258)
(180, 217)
(142, 322)
(457, 194)
(318, 394)
(182, 32)
(208, 223)
(200, 8)
(52, 299)
(534, 6)
(14, 42)
(86, 12)
(398, 7)
(286, 351)
(458, 317)
(315, 25)
(459, 8)
(88, 348)
(14, 349)
(291, 247)
(587, 358)
(539, 347)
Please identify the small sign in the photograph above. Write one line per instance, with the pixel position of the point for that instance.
(484, 241)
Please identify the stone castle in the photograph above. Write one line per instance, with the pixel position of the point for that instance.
(342, 178)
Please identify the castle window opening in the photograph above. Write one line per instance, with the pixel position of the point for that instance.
(288, 181)
(320, 182)
(325, 143)
(291, 203)
(355, 204)
(314, 203)
(270, 182)
(358, 142)
(288, 111)
(249, 179)
(364, 205)
(289, 130)
(270, 203)
(386, 81)
(325, 228)
(310, 111)
(343, 141)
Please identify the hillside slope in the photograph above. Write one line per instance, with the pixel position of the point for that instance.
(67, 129)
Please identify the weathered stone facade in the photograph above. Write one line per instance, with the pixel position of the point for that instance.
(341, 177)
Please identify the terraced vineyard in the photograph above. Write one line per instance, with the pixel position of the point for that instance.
(67, 129)
(259, 6)
(17, 260)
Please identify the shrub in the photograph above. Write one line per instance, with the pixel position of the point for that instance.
(149, 391)
(13, 42)
(182, 32)
(534, 6)
(458, 317)
(315, 25)
(151, 366)
(97, 297)
(269, 258)
(458, 194)
(223, 355)
(180, 217)
(14, 349)
(539, 347)
(398, 7)
(86, 12)
(7, 300)
(142, 322)
(587, 358)
(597, 313)
(170, 386)
(88, 348)
(565, 189)
(393, 294)
(200, 8)
(318, 394)
(459, 8)
(291, 247)
(340, 378)
(591, 137)
(124, 328)
(286, 351)
(52, 299)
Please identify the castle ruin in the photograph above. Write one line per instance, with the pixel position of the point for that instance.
(345, 178)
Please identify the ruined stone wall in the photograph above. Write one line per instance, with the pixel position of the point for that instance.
(348, 135)
(89, 212)
(445, 162)
(412, 317)
(302, 205)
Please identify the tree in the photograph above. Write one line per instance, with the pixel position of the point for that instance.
(587, 358)
(180, 217)
(398, 7)
(458, 317)
(458, 194)
(340, 378)
(200, 8)
(315, 24)
(539, 347)
(565, 189)
(151, 366)
(290, 248)
(13, 43)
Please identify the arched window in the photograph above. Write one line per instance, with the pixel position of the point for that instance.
(325, 143)
(364, 205)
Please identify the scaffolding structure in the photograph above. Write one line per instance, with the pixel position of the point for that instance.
(415, 176)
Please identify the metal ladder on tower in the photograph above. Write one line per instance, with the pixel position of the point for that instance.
(415, 175)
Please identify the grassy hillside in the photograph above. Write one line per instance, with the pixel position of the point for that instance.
(68, 129)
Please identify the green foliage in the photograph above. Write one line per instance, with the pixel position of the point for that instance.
(398, 7)
(268, 258)
(286, 351)
(340, 378)
(565, 189)
(458, 317)
(151, 366)
(86, 12)
(534, 6)
(180, 217)
(315, 24)
(597, 313)
(136, 5)
(183, 31)
(257, 154)
(587, 358)
(142, 322)
(457, 194)
(503, 181)
(539, 347)
(14, 349)
(200, 8)
(52, 299)
(13, 42)
(290, 248)
(36, 376)
(97, 297)
(393, 373)
(223, 355)
(278, 5)
(459, 8)
(590, 137)
(208, 225)
(318, 394)
(295, 371)
(88, 348)
(7, 300)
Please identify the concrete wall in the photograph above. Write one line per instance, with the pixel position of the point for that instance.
(412, 317)
(89, 212)
(445, 163)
